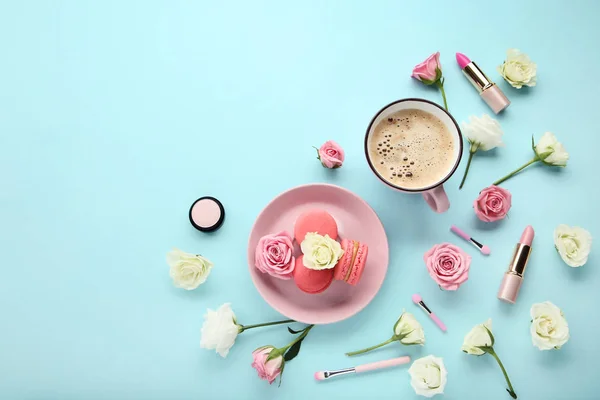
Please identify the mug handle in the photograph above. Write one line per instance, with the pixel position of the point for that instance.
(437, 199)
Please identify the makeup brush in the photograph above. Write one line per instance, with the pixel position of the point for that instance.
(483, 248)
(419, 301)
(322, 375)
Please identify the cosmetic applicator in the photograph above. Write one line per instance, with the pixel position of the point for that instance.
(483, 248)
(322, 375)
(419, 301)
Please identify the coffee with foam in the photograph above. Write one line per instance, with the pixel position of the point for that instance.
(412, 149)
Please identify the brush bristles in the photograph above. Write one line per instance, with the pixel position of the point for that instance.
(320, 376)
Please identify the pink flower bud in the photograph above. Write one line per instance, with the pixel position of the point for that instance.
(429, 71)
(268, 369)
(331, 154)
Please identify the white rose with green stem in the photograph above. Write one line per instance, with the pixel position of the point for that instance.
(220, 329)
(483, 134)
(480, 341)
(548, 151)
(407, 330)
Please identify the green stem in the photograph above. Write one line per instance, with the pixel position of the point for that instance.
(440, 84)
(246, 327)
(472, 151)
(510, 389)
(354, 353)
(516, 171)
(298, 338)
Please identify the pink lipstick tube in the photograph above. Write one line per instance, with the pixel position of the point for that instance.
(513, 278)
(489, 92)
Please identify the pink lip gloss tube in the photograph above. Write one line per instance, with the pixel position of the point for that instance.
(513, 278)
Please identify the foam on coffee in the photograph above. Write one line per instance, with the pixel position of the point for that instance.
(411, 149)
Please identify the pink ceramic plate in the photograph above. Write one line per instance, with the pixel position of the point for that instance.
(355, 219)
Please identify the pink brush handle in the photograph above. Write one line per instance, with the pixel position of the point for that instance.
(438, 322)
(382, 364)
(460, 233)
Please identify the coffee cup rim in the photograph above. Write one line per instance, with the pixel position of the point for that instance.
(419, 190)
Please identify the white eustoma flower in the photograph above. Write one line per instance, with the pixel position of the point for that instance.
(573, 244)
(478, 337)
(409, 330)
(320, 252)
(428, 376)
(518, 70)
(188, 271)
(219, 330)
(484, 133)
(549, 328)
(551, 151)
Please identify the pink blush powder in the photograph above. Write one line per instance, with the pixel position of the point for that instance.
(206, 214)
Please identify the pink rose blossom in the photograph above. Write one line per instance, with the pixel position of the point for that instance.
(267, 369)
(448, 265)
(274, 255)
(429, 71)
(331, 155)
(492, 204)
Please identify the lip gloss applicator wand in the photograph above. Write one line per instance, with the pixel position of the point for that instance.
(418, 300)
(482, 247)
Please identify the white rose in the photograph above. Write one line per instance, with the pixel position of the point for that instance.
(188, 271)
(484, 133)
(409, 330)
(518, 70)
(480, 336)
(320, 252)
(549, 328)
(551, 151)
(573, 244)
(219, 330)
(428, 376)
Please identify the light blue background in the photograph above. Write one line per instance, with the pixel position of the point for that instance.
(116, 115)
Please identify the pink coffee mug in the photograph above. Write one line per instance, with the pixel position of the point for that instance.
(434, 194)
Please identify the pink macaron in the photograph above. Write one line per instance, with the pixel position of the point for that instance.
(318, 221)
(352, 264)
(310, 280)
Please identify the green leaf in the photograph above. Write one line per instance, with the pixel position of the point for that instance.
(318, 155)
(293, 351)
(293, 332)
(491, 335)
(486, 349)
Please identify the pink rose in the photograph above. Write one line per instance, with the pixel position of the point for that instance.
(331, 155)
(429, 71)
(448, 265)
(492, 204)
(274, 255)
(267, 369)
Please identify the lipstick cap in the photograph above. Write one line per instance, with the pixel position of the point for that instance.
(509, 289)
(495, 98)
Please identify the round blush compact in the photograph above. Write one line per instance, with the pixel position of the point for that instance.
(207, 214)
